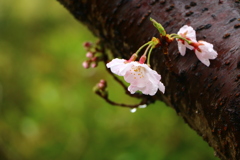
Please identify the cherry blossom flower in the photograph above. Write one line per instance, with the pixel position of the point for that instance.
(188, 33)
(205, 51)
(140, 76)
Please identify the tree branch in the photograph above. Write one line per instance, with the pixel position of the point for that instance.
(208, 98)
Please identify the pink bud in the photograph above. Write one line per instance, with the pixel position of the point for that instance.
(94, 59)
(142, 59)
(102, 84)
(94, 65)
(102, 81)
(87, 44)
(89, 55)
(85, 64)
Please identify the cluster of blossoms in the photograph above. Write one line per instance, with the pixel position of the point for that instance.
(138, 73)
(141, 77)
(93, 57)
(204, 50)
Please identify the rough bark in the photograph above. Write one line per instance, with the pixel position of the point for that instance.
(208, 98)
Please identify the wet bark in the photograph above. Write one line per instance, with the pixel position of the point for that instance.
(208, 98)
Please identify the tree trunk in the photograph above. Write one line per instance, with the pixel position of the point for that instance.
(208, 98)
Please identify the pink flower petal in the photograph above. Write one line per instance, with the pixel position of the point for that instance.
(207, 52)
(181, 48)
(189, 33)
(140, 76)
(116, 66)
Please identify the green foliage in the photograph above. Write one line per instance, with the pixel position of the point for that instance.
(48, 110)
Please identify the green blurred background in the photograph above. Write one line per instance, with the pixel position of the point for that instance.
(48, 110)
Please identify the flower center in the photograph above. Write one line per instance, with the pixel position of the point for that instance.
(137, 72)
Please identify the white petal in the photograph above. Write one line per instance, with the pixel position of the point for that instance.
(124, 69)
(202, 59)
(189, 31)
(161, 87)
(150, 90)
(183, 29)
(115, 62)
(116, 66)
(207, 48)
(134, 80)
(181, 48)
(132, 89)
(140, 76)
(207, 52)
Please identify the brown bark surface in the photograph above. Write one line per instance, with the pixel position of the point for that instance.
(208, 98)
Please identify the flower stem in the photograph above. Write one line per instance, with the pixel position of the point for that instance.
(142, 47)
(149, 54)
(145, 100)
(146, 51)
(174, 35)
(120, 104)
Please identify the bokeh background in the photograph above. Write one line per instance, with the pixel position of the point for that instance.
(48, 110)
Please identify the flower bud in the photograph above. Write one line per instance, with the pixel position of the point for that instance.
(102, 84)
(87, 45)
(89, 54)
(94, 65)
(85, 64)
(94, 59)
